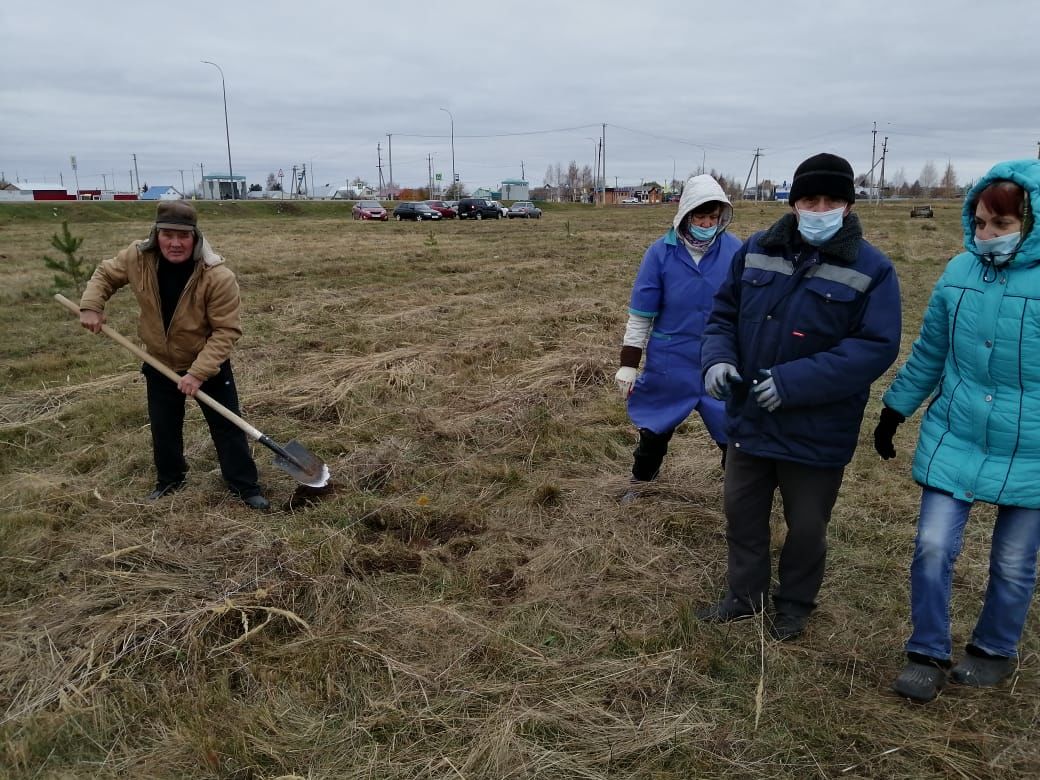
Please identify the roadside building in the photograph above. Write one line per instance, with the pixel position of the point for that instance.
(25, 190)
(515, 189)
(161, 192)
(219, 186)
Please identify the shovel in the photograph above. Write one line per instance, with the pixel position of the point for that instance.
(294, 459)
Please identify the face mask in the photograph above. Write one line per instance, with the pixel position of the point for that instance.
(998, 250)
(818, 227)
(702, 233)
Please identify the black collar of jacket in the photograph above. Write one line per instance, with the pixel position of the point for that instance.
(843, 247)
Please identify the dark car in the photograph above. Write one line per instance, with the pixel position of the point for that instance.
(442, 207)
(478, 208)
(369, 209)
(525, 209)
(416, 211)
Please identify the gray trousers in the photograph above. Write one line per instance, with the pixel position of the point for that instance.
(808, 495)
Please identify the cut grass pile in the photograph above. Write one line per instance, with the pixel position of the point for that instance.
(471, 601)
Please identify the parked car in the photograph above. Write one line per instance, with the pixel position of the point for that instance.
(525, 209)
(631, 200)
(442, 207)
(369, 209)
(415, 211)
(501, 208)
(478, 208)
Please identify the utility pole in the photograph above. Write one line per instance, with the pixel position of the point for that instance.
(137, 175)
(597, 190)
(390, 156)
(104, 181)
(758, 153)
(379, 165)
(752, 169)
(429, 173)
(604, 169)
(292, 190)
(202, 180)
(873, 147)
(522, 170)
(182, 181)
(884, 154)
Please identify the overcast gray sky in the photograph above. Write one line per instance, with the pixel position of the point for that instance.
(527, 81)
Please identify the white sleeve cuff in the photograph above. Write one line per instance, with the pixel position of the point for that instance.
(637, 331)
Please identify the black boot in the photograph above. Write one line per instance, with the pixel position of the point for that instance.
(649, 454)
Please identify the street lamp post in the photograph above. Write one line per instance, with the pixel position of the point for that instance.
(452, 118)
(227, 130)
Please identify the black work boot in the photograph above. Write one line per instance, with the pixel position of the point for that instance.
(163, 489)
(921, 679)
(981, 669)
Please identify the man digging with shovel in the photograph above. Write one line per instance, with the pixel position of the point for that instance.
(189, 320)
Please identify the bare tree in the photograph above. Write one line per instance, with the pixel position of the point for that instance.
(929, 178)
(573, 175)
(949, 181)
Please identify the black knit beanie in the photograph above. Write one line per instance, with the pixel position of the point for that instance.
(823, 174)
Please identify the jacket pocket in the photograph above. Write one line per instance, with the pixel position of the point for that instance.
(830, 312)
(936, 395)
(756, 293)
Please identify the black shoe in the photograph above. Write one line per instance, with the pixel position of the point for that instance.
(920, 682)
(257, 502)
(786, 626)
(163, 489)
(982, 672)
(729, 610)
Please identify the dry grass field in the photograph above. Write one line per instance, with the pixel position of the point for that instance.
(472, 602)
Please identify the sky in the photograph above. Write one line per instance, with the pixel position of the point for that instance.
(511, 88)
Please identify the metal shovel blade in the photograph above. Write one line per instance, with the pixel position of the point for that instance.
(302, 465)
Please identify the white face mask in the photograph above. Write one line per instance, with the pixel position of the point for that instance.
(818, 227)
(1000, 249)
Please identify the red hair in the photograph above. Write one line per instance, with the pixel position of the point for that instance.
(1004, 199)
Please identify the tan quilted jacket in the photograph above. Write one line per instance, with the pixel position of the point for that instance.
(206, 323)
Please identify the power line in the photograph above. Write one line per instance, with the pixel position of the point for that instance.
(501, 135)
(706, 145)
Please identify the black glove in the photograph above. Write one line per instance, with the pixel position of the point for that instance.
(885, 430)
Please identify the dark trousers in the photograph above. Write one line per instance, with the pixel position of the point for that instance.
(166, 414)
(808, 495)
(649, 454)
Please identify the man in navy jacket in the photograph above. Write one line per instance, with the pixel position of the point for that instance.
(808, 317)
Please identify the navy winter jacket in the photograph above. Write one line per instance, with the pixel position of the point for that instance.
(826, 321)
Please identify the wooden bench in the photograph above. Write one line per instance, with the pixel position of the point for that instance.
(922, 212)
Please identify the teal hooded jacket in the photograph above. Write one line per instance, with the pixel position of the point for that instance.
(977, 360)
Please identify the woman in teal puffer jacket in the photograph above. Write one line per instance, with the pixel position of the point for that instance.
(977, 360)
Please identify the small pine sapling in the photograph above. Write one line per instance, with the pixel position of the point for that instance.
(72, 271)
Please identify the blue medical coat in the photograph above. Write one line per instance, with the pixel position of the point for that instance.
(677, 294)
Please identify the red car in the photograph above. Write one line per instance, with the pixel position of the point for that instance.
(369, 209)
(442, 208)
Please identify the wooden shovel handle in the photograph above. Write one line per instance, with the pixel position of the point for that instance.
(168, 372)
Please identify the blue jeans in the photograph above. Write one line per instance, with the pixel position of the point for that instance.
(1012, 576)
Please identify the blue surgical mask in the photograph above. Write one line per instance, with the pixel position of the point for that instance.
(702, 233)
(1000, 249)
(818, 227)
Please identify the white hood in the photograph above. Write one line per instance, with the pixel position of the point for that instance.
(701, 189)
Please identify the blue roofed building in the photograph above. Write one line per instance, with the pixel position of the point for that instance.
(162, 192)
